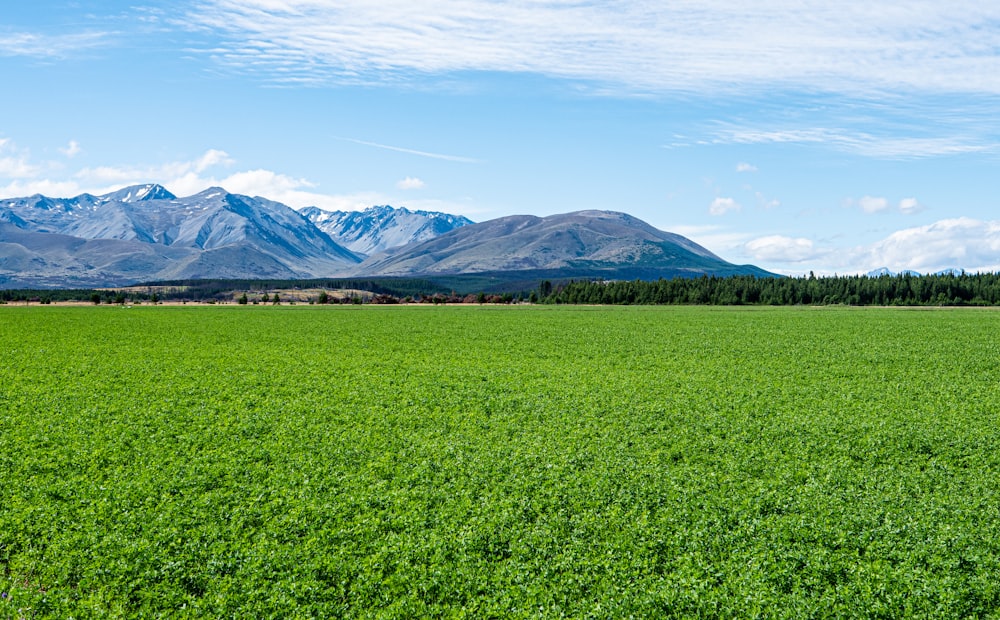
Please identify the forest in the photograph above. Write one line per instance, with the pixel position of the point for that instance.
(980, 289)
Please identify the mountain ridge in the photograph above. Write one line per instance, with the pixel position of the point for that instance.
(382, 227)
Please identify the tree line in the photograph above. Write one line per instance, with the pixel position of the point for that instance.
(979, 289)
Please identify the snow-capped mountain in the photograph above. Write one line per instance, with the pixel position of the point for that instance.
(382, 227)
(885, 271)
(57, 215)
(145, 232)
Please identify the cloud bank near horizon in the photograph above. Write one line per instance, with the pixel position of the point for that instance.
(953, 243)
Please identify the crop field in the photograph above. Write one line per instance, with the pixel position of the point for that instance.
(401, 462)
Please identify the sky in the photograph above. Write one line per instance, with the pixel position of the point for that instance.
(797, 135)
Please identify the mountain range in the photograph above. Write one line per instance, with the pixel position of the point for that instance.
(885, 271)
(143, 233)
(380, 228)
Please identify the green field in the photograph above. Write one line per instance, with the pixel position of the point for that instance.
(499, 462)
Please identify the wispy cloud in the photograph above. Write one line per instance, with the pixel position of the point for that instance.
(683, 46)
(745, 167)
(399, 149)
(926, 74)
(766, 203)
(49, 46)
(859, 142)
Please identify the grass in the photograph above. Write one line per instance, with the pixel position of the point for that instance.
(499, 462)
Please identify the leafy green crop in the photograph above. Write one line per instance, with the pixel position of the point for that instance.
(498, 462)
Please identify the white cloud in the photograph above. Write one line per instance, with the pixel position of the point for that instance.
(357, 201)
(16, 168)
(165, 173)
(781, 249)
(45, 187)
(212, 157)
(873, 204)
(187, 177)
(963, 243)
(14, 162)
(177, 176)
(410, 183)
(909, 206)
(721, 206)
(682, 46)
(745, 167)
(72, 149)
(960, 243)
(870, 204)
(192, 176)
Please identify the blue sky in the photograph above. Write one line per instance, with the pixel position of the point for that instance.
(796, 135)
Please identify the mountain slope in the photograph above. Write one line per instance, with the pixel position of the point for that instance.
(579, 244)
(381, 228)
